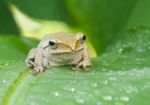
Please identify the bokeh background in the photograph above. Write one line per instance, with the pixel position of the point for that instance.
(118, 37)
(101, 20)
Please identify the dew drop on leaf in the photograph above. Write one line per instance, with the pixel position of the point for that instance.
(112, 78)
(121, 73)
(107, 98)
(105, 82)
(72, 89)
(80, 100)
(131, 89)
(4, 81)
(124, 98)
(56, 94)
(104, 70)
(125, 49)
(147, 31)
(140, 50)
(94, 84)
(99, 103)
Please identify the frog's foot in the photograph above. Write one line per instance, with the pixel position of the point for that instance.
(83, 64)
(30, 62)
(38, 69)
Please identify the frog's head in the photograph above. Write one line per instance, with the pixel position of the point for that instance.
(64, 42)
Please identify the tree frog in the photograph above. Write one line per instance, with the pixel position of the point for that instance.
(59, 49)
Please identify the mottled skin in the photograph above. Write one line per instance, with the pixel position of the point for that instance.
(59, 49)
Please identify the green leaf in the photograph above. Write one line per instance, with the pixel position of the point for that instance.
(7, 22)
(45, 9)
(104, 20)
(140, 16)
(11, 46)
(118, 77)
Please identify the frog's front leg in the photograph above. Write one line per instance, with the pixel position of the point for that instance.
(31, 57)
(86, 58)
(85, 62)
(36, 60)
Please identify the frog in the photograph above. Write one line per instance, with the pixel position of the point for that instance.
(59, 49)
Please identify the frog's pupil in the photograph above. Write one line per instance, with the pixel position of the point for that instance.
(52, 43)
(83, 37)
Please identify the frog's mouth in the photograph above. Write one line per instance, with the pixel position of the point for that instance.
(66, 57)
(69, 52)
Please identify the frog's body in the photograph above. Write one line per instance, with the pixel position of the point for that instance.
(59, 49)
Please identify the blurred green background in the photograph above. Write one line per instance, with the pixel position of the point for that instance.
(101, 20)
(118, 33)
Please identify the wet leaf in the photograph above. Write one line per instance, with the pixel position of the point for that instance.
(119, 77)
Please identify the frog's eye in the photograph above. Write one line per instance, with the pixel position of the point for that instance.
(83, 38)
(53, 44)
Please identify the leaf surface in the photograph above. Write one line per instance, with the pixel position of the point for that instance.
(120, 76)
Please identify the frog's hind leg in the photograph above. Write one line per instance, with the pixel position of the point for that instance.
(31, 58)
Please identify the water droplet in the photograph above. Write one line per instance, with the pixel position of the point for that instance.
(99, 103)
(133, 29)
(56, 94)
(131, 89)
(32, 103)
(147, 31)
(104, 69)
(4, 81)
(80, 100)
(107, 98)
(112, 78)
(124, 98)
(6, 64)
(72, 89)
(105, 82)
(33, 82)
(148, 47)
(138, 59)
(125, 49)
(140, 50)
(121, 72)
(120, 50)
(94, 84)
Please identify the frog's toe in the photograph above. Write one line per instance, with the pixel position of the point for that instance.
(38, 69)
(29, 63)
(86, 65)
(79, 65)
(75, 68)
